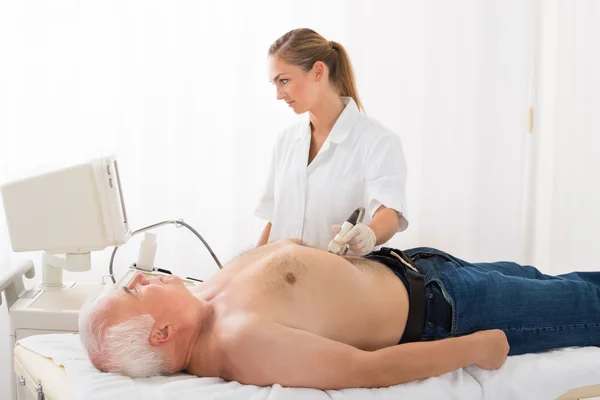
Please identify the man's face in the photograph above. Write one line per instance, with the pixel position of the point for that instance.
(158, 296)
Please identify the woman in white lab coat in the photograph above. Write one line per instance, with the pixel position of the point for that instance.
(337, 160)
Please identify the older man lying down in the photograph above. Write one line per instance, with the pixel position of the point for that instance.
(297, 316)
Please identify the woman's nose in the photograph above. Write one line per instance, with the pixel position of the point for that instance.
(279, 94)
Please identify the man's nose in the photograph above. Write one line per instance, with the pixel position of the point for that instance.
(138, 278)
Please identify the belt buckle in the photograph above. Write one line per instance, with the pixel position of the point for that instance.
(403, 261)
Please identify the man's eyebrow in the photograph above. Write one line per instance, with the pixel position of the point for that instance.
(137, 295)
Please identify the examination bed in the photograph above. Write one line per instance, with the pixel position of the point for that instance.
(57, 365)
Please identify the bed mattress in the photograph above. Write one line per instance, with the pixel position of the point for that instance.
(59, 363)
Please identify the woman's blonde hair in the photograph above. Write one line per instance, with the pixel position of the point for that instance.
(304, 47)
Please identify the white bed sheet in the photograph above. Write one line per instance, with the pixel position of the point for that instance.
(532, 376)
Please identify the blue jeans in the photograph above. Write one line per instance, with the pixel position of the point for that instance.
(537, 312)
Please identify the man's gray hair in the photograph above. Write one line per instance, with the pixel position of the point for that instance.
(122, 348)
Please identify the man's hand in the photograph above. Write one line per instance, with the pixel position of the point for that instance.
(491, 348)
(360, 239)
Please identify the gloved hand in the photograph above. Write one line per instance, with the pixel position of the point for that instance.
(361, 239)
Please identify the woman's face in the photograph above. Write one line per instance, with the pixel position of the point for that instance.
(297, 88)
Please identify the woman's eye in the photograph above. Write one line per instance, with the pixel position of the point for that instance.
(283, 81)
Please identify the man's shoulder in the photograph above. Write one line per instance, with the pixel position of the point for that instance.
(222, 350)
(236, 330)
(240, 340)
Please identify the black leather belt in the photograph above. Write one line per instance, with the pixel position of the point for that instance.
(415, 323)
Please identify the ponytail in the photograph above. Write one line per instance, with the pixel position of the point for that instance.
(343, 76)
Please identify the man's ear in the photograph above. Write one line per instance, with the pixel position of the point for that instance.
(161, 335)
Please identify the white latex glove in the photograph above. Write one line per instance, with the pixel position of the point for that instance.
(361, 239)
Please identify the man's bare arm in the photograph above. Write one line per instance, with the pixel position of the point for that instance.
(268, 354)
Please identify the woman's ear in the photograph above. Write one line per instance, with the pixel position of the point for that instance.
(161, 335)
(319, 70)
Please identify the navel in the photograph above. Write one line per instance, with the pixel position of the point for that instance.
(290, 278)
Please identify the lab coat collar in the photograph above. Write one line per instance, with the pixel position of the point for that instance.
(343, 125)
(345, 122)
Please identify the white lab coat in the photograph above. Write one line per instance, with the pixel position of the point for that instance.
(361, 164)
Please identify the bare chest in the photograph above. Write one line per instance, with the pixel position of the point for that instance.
(342, 300)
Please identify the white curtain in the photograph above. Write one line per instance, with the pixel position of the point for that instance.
(473, 141)
(565, 205)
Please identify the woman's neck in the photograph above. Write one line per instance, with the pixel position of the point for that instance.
(325, 113)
